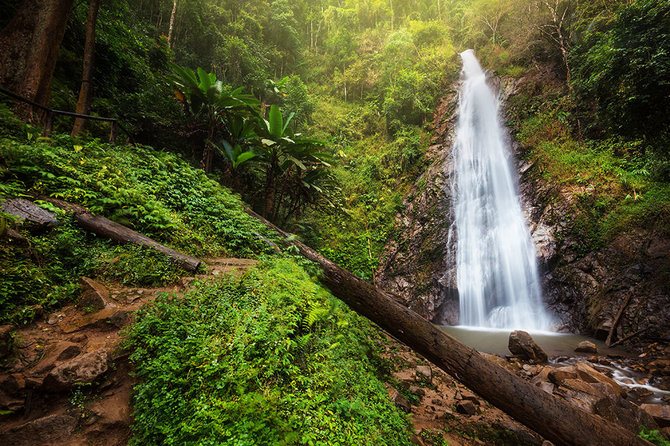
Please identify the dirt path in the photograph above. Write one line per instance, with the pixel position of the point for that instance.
(79, 344)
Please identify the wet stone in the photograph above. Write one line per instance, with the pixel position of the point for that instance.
(586, 347)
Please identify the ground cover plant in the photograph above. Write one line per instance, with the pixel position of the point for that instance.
(268, 358)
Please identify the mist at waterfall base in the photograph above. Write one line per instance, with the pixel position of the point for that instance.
(497, 276)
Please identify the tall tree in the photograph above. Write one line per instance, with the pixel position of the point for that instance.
(29, 48)
(174, 11)
(85, 96)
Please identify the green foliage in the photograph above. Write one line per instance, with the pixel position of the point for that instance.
(48, 275)
(153, 192)
(653, 436)
(625, 66)
(270, 358)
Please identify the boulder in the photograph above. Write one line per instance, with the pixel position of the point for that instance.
(660, 413)
(83, 369)
(589, 374)
(586, 347)
(560, 374)
(94, 295)
(51, 429)
(522, 344)
(596, 383)
(61, 351)
(30, 214)
(623, 413)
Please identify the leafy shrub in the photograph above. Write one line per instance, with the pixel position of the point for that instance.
(48, 274)
(270, 358)
(154, 192)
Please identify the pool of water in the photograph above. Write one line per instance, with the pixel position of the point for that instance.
(495, 341)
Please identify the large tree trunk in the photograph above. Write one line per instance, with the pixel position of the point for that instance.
(551, 417)
(85, 92)
(29, 47)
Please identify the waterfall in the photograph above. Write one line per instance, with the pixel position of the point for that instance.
(497, 278)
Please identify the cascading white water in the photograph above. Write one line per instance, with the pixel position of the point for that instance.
(498, 282)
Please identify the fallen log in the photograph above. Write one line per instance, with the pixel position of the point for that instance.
(626, 301)
(36, 218)
(553, 418)
(630, 336)
(122, 234)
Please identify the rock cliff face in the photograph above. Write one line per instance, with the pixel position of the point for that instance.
(416, 262)
(585, 291)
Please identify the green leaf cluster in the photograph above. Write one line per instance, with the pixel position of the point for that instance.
(269, 358)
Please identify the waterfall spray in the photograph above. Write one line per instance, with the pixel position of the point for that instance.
(497, 277)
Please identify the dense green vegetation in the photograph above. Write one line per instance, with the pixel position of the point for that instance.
(151, 191)
(270, 358)
(316, 114)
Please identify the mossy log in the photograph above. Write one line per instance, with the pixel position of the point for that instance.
(553, 418)
(122, 234)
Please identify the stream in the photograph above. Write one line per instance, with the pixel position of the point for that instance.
(560, 349)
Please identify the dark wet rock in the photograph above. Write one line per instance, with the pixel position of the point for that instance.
(81, 370)
(52, 429)
(586, 347)
(584, 290)
(522, 344)
(417, 265)
(466, 407)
